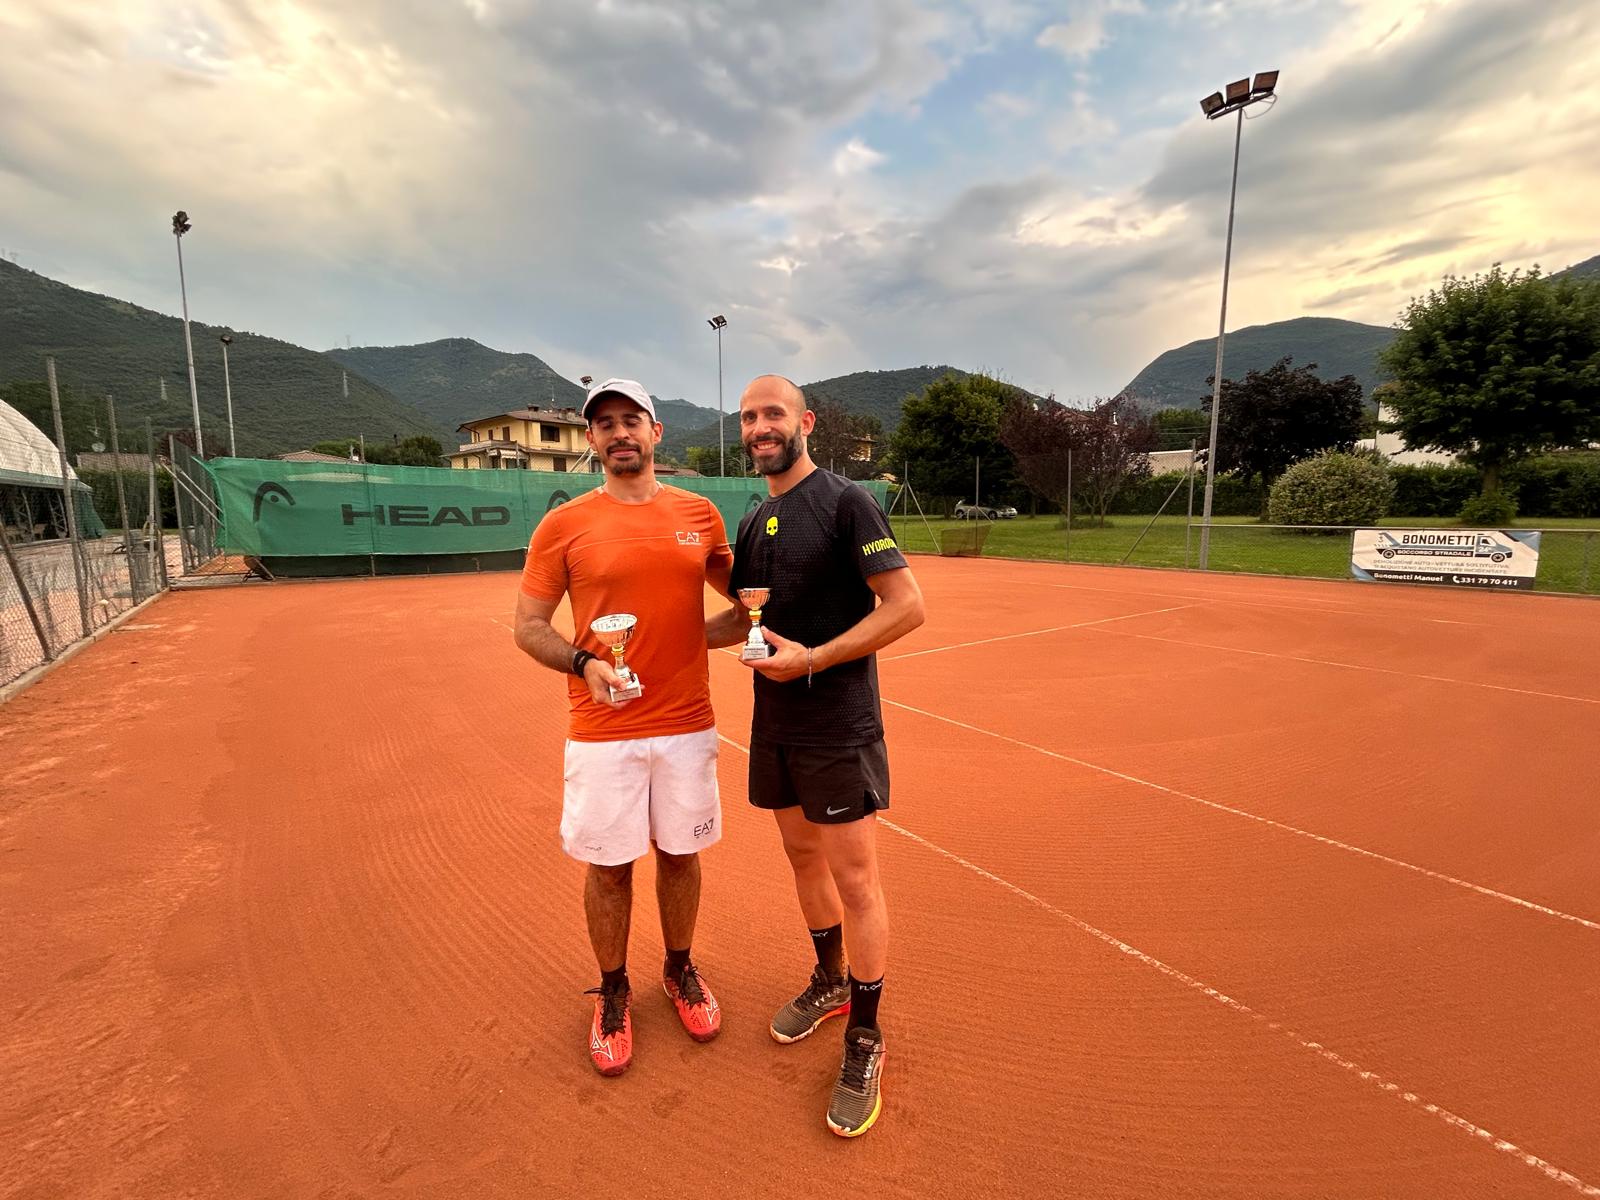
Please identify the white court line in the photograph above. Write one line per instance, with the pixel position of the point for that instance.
(1033, 633)
(1268, 821)
(1548, 1169)
(1309, 605)
(1328, 662)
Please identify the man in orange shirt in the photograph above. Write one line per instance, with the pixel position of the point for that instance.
(639, 771)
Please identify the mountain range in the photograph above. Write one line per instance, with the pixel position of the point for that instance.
(1177, 378)
(286, 397)
(866, 393)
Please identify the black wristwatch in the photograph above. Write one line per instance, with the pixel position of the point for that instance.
(580, 660)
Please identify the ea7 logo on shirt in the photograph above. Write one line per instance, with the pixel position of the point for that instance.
(880, 544)
(690, 538)
(772, 526)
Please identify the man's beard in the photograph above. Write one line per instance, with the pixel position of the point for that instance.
(788, 454)
(642, 458)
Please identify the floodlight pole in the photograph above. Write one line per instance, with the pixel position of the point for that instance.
(722, 437)
(180, 226)
(719, 323)
(1222, 328)
(227, 384)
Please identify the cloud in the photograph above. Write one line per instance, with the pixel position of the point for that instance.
(872, 185)
(1084, 32)
(855, 156)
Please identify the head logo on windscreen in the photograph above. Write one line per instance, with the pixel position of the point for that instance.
(274, 492)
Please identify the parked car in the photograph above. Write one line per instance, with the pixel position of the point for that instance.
(975, 512)
(1005, 512)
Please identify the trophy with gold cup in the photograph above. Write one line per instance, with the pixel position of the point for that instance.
(755, 646)
(615, 630)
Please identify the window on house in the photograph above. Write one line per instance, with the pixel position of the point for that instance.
(549, 433)
(505, 433)
(557, 463)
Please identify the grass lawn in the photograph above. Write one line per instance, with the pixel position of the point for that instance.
(1569, 559)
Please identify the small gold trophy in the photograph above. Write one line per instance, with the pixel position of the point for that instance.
(755, 646)
(615, 630)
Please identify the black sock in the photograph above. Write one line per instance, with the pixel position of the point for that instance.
(864, 1003)
(615, 981)
(677, 960)
(829, 945)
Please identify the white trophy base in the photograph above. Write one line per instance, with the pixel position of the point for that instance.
(755, 651)
(631, 690)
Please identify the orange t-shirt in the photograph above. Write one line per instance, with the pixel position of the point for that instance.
(649, 560)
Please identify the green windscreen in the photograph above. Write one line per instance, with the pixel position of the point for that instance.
(290, 509)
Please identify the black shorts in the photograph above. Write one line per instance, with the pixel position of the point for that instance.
(831, 784)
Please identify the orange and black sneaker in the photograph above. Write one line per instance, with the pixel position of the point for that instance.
(611, 1033)
(697, 1007)
(824, 997)
(858, 1097)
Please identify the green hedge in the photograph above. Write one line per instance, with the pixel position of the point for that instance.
(1554, 486)
(1431, 491)
(1231, 496)
(1557, 487)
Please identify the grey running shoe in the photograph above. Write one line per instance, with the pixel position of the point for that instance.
(857, 1100)
(824, 997)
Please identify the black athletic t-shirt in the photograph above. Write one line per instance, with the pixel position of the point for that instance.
(815, 547)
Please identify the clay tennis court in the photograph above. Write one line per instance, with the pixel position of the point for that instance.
(1199, 886)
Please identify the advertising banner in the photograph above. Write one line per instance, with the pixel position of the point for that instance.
(288, 509)
(1489, 558)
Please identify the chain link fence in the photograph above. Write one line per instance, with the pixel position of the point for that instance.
(75, 555)
(1569, 557)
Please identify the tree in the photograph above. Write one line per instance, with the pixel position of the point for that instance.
(1276, 417)
(1177, 427)
(340, 448)
(1498, 368)
(1039, 436)
(418, 450)
(1109, 445)
(703, 460)
(841, 437)
(82, 422)
(942, 432)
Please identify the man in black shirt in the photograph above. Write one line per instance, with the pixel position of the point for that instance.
(839, 591)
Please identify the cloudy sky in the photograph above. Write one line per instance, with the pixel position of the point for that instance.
(1024, 187)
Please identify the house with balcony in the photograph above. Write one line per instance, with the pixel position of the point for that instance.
(525, 439)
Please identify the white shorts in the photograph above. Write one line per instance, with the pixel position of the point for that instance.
(620, 796)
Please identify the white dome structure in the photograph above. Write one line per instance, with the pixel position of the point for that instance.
(27, 457)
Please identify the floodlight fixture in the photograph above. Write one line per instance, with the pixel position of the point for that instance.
(226, 339)
(586, 380)
(180, 223)
(1239, 90)
(1211, 104)
(718, 322)
(1266, 83)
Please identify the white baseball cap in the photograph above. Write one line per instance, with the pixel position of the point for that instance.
(628, 389)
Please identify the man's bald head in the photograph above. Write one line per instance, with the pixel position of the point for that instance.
(775, 387)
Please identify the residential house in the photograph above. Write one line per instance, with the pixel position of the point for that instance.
(525, 439)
